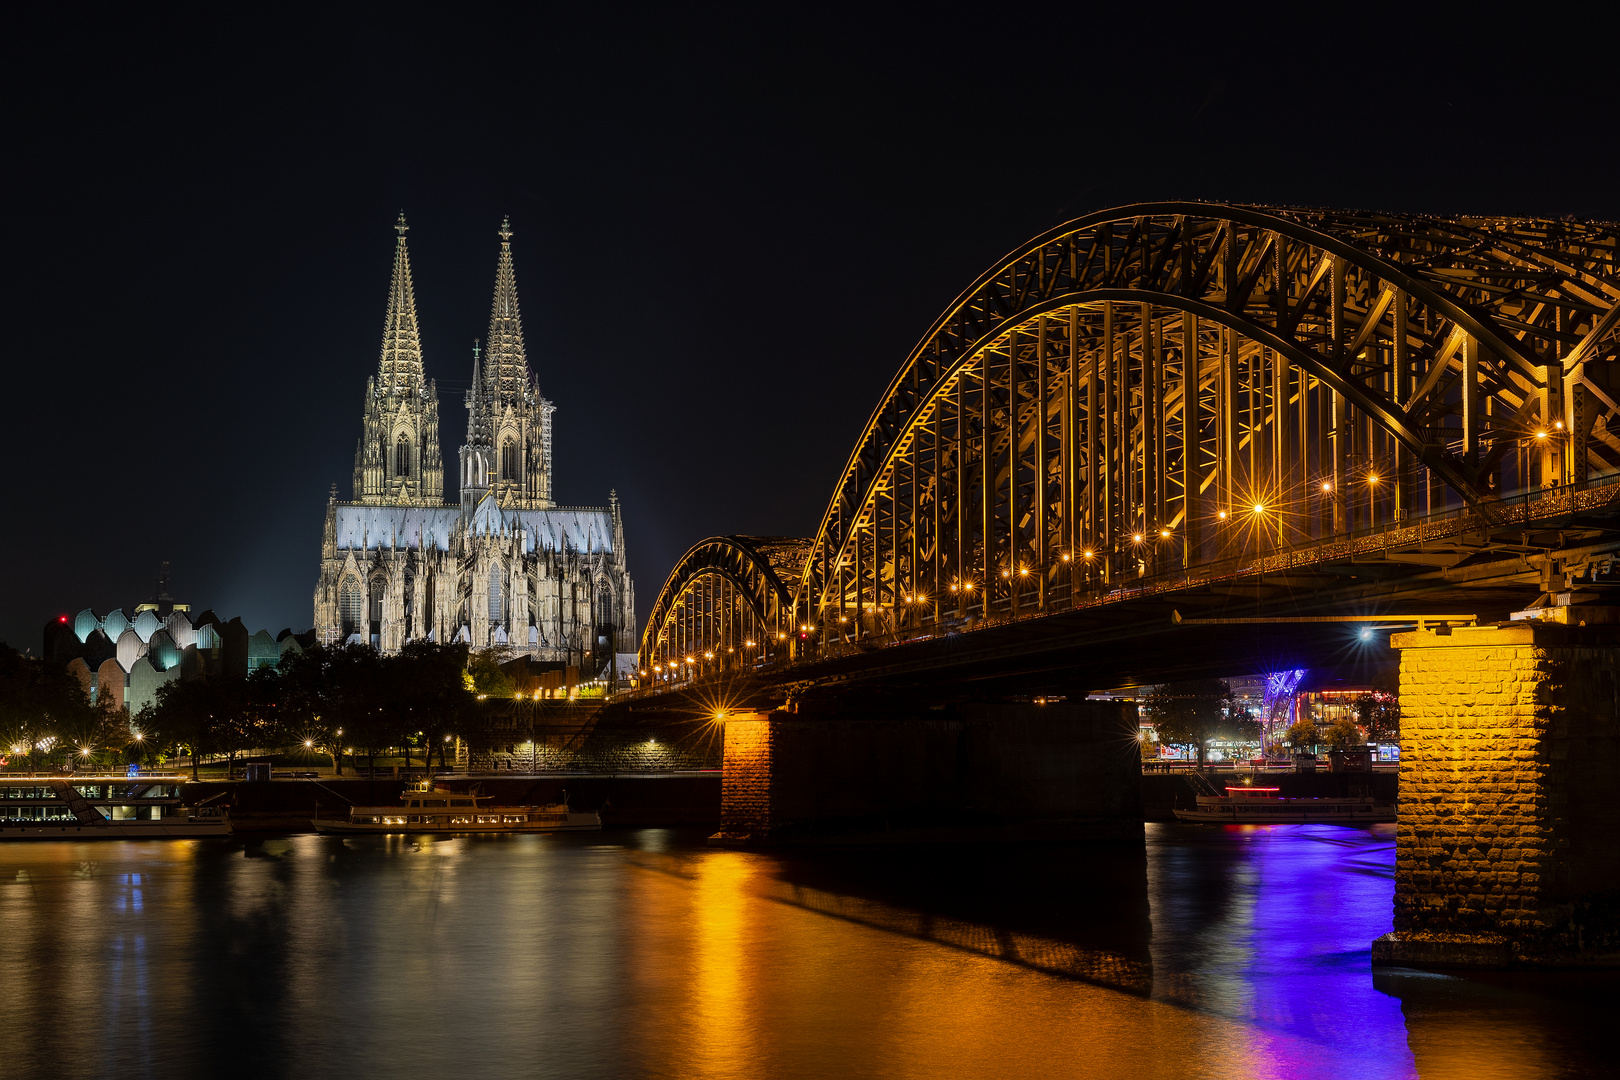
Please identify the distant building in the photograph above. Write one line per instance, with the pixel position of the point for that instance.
(126, 657)
(503, 566)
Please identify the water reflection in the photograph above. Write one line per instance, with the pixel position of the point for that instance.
(1197, 952)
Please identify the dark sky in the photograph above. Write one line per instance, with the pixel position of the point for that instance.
(730, 229)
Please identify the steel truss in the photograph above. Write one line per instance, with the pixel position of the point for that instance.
(727, 604)
(1169, 385)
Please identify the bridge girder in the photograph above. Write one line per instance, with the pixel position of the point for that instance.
(1120, 395)
(730, 597)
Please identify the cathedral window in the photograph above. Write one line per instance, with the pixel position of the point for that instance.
(509, 460)
(350, 606)
(494, 595)
(402, 457)
(376, 604)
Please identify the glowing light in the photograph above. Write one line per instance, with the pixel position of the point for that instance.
(953, 586)
(84, 753)
(1366, 633)
(1259, 508)
(1065, 556)
(308, 743)
(1541, 434)
(1137, 537)
(1373, 479)
(748, 644)
(1088, 553)
(1165, 533)
(1326, 486)
(1008, 573)
(1557, 424)
(1023, 571)
(1221, 515)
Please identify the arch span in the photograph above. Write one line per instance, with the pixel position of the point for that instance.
(727, 603)
(1165, 385)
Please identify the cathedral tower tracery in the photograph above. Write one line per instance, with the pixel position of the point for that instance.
(398, 460)
(508, 448)
(502, 567)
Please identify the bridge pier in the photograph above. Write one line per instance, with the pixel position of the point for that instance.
(1508, 831)
(951, 773)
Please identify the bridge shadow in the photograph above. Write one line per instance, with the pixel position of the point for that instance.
(1074, 911)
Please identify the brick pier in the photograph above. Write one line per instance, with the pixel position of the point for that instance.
(1508, 833)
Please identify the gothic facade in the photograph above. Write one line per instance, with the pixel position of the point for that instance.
(502, 565)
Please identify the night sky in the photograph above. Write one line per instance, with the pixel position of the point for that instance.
(731, 227)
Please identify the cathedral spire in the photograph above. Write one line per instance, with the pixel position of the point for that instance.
(507, 372)
(400, 369)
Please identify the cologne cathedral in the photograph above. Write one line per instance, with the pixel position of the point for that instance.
(501, 566)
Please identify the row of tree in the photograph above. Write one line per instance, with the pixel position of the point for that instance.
(338, 699)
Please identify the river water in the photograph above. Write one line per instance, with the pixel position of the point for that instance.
(1238, 952)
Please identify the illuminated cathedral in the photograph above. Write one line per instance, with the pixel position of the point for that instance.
(502, 565)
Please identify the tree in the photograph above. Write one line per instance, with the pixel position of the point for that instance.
(1343, 732)
(1380, 714)
(488, 679)
(1190, 713)
(1303, 732)
(41, 704)
(431, 696)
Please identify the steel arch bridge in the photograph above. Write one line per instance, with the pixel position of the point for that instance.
(728, 603)
(1164, 387)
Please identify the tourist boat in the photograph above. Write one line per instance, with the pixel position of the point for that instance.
(1264, 806)
(113, 807)
(438, 811)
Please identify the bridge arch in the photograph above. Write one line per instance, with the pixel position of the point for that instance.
(727, 604)
(1166, 385)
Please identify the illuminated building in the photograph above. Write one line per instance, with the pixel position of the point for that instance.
(503, 565)
(126, 657)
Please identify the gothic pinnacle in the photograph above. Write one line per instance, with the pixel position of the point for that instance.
(400, 366)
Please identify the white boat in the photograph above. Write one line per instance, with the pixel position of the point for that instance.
(1265, 806)
(110, 807)
(438, 811)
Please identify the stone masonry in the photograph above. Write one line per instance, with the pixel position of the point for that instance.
(1507, 846)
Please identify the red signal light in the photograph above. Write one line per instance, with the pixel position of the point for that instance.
(61, 618)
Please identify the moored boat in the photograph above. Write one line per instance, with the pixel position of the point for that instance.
(438, 811)
(110, 807)
(1266, 806)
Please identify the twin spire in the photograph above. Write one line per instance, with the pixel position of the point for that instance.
(504, 373)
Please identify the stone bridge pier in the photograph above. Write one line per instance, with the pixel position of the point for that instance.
(952, 772)
(1508, 831)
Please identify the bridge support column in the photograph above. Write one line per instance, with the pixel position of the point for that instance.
(862, 770)
(1508, 839)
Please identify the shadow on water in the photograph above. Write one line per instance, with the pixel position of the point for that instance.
(1520, 1024)
(1076, 911)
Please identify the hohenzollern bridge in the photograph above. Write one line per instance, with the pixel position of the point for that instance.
(1183, 439)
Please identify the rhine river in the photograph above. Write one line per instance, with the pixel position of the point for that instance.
(1204, 952)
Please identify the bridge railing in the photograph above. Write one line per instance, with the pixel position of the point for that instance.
(1518, 508)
